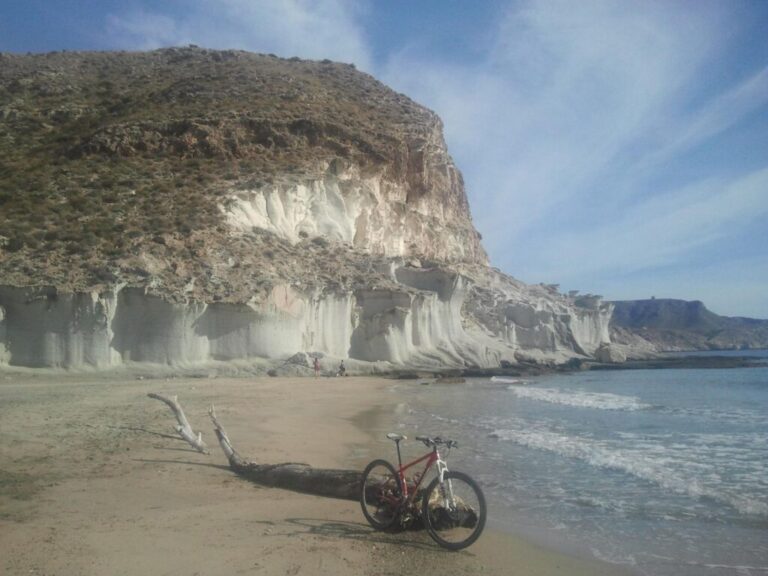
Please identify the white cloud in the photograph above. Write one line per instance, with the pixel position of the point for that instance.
(563, 128)
(670, 226)
(573, 85)
(575, 115)
(309, 29)
(714, 117)
(144, 31)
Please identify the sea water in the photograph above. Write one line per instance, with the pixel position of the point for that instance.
(663, 471)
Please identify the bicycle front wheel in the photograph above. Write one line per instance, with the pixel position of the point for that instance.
(380, 494)
(454, 510)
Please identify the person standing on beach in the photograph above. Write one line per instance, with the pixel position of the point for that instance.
(316, 366)
(342, 369)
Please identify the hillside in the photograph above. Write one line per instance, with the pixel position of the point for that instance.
(682, 325)
(188, 205)
(114, 164)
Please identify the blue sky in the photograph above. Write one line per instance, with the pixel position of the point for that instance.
(614, 147)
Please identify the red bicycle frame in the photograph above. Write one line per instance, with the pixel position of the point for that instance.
(431, 458)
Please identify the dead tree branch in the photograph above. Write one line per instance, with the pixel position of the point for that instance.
(184, 429)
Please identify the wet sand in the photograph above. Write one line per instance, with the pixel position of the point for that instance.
(94, 481)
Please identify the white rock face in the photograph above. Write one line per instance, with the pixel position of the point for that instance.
(371, 213)
(419, 325)
(455, 312)
(43, 328)
(5, 355)
(536, 321)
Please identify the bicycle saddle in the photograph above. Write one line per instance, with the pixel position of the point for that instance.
(397, 437)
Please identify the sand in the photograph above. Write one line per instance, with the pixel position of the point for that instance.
(94, 482)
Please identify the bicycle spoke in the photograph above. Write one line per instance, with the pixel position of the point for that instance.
(454, 511)
(380, 494)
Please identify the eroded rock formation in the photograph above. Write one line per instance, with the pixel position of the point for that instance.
(437, 325)
(186, 206)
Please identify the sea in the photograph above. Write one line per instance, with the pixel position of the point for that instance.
(664, 472)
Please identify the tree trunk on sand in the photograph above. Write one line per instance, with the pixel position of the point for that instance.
(344, 484)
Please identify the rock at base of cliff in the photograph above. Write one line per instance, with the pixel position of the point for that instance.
(610, 354)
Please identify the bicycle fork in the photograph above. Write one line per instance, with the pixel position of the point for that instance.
(446, 488)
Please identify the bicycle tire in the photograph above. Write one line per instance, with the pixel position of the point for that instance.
(380, 494)
(454, 528)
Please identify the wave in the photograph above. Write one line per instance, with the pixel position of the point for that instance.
(678, 469)
(600, 401)
(733, 416)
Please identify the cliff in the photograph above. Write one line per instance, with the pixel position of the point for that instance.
(184, 206)
(676, 325)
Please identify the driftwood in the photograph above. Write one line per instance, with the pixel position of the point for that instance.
(184, 429)
(328, 482)
(344, 484)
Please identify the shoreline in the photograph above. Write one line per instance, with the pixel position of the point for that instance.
(509, 550)
(266, 370)
(94, 482)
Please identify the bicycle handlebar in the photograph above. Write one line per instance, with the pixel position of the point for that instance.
(437, 441)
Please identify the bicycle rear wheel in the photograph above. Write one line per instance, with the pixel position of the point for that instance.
(454, 511)
(380, 494)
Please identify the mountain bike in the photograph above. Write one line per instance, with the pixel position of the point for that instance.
(452, 507)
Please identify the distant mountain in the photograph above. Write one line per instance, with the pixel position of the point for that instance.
(672, 325)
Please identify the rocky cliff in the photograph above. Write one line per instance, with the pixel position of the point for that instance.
(185, 206)
(677, 325)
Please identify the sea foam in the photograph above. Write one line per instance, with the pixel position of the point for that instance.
(600, 401)
(677, 468)
(506, 380)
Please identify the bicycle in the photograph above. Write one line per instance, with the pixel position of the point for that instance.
(452, 509)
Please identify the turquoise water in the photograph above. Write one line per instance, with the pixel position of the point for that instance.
(663, 471)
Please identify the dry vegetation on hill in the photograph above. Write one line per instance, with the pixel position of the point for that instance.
(113, 164)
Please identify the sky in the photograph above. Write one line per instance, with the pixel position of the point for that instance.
(615, 147)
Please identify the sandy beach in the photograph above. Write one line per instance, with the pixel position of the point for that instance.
(93, 481)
